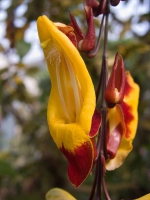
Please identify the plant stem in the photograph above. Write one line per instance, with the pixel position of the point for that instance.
(105, 188)
(99, 180)
(102, 135)
(94, 184)
(92, 53)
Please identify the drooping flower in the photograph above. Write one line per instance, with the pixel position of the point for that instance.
(72, 99)
(122, 125)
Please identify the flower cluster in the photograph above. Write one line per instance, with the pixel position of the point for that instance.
(72, 116)
(94, 130)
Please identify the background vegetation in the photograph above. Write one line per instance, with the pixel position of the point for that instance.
(30, 163)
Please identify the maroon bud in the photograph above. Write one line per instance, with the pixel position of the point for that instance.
(114, 2)
(115, 88)
(101, 8)
(92, 3)
(88, 42)
(77, 30)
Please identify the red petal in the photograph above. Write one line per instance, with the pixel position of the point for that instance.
(80, 162)
(114, 141)
(129, 106)
(128, 117)
(96, 122)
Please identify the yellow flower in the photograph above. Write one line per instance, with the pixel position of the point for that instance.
(72, 99)
(58, 194)
(145, 197)
(122, 125)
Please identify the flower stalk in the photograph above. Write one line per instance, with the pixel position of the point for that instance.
(99, 180)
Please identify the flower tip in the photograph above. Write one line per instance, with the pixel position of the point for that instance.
(43, 24)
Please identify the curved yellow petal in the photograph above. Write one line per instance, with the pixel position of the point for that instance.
(58, 194)
(59, 51)
(72, 99)
(126, 114)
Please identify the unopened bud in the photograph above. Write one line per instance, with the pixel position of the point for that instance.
(77, 30)
(114, 2)
(115, 88)
(88, 42)
(92, 3)
(100, 9)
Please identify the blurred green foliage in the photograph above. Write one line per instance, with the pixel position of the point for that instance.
(31, 164)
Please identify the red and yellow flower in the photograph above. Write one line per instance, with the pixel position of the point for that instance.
(72, 99)
(122, 93)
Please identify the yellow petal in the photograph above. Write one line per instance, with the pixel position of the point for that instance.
(72, 99)
(58, 194)
(146, 197)
(127, 115)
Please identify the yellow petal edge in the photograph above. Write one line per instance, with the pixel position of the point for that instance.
(58, 194)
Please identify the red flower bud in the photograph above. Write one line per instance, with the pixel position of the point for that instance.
(114, 2)
(77, 30)
(115, 88)
(100, 9)
(88, 42)
(92, 3)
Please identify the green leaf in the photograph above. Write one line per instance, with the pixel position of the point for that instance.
(6, 169)
(22, 48)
